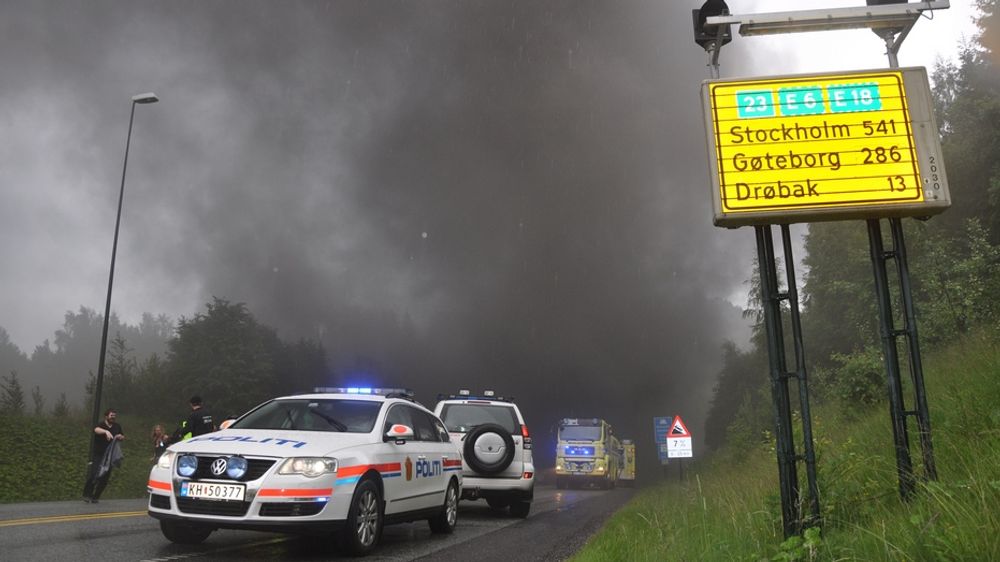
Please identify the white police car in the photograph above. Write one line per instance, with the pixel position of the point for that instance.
(344, 461)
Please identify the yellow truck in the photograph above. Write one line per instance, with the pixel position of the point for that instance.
(587, 452)
(627, 474)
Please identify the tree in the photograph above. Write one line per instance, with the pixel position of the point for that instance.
(839, 309)
(61, 409)
(225, 356)
(967, 99)
(302, 366)
(738, 394)
(12, 399)
(150, 383)
(119, 376)
(11, 357)
(39, 400)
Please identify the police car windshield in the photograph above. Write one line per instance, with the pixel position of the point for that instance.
(351, 416)
(463, 417)
(580, 433)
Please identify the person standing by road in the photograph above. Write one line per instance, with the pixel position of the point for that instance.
(159, 440)
(198, 422)
(107, 431)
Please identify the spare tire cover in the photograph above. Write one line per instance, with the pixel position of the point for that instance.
(489, 449)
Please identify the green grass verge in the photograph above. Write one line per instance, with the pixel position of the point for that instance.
(45, 459)
(728, 507)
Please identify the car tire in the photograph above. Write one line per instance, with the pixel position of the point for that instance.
(445, 521)
(520, 508)
(181, 532)
(363, 527)
(484, 466)
(561, 483)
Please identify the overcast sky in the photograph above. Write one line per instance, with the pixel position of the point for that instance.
(509, 186)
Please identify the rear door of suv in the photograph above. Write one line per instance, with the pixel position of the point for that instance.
(462, 417)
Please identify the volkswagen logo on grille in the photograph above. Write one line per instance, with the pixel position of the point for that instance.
(219, 467)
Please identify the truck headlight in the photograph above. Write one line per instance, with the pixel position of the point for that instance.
(308, 466)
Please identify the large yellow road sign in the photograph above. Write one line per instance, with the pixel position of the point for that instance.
(824, 147)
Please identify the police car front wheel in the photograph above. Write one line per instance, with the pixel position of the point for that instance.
(184, 533)
(364, 520)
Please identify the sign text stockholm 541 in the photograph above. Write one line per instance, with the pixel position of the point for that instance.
(815, 144)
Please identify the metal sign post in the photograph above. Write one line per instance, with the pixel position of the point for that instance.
(825, 147)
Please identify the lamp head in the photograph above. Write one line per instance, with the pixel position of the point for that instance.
(706, 36)
(148, 97)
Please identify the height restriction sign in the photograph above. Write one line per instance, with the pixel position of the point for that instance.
(823, 147)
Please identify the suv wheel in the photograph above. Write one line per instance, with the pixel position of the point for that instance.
(489, 449)
(184, 533)
(364, 520)
(497, 503)
(519, 508)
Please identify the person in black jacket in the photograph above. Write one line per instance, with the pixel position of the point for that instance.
(107, 430)
(198, 422)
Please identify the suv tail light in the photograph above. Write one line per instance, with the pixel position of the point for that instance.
(526, 435)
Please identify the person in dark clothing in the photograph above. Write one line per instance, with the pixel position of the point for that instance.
(198, 422)
(106, 431)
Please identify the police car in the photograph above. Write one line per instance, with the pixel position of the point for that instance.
(343, 461)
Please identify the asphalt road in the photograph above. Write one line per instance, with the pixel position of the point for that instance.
(559, 524)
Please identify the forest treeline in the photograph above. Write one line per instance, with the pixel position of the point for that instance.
(954, 264)
(224, 353)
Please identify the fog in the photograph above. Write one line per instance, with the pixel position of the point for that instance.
(505, 195)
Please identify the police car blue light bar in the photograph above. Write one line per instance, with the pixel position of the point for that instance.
(362, 390)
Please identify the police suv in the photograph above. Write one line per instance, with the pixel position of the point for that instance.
(343, 461)
(497, 461)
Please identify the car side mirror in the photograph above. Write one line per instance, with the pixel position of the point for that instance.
(399, 433)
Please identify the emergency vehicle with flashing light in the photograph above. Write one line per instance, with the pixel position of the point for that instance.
(340, 462)
(497, 459)
(587, 452)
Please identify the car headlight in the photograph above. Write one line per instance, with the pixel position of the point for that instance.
(308, 466)
(166, 459)
(187, 465)
(236, 467)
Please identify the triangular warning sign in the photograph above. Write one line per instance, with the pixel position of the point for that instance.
(678, 429)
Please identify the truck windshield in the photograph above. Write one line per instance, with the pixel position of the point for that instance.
(351, 416)
(580, 433)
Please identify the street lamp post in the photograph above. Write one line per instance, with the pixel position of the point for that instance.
(140, 98)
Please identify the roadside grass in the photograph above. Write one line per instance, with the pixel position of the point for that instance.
(728, 507)
(45, 458)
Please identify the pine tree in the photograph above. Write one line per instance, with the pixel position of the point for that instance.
(61, 409)
(36, 396)
(12, 397)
